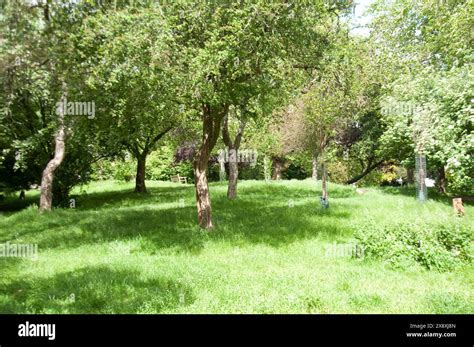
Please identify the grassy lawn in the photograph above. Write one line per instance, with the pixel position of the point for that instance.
(119, 252)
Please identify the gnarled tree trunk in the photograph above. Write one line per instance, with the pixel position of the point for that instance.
(203, 199)
(47, 179)
(266, 168)
(210, 132)
(222, 174)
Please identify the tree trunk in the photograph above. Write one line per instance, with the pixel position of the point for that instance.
(233, 147)
(222, 175)
(277, 169)
(141, 154)
(233, 174)
(324, 182)
(211, 121)
(410, 176)
(314, 174)
(46, 198)
(266, 168)
(441, 182)
(421, 185)
(203, 199)
(140, 178)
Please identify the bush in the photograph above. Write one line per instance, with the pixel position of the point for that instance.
(161, 165)
(338, 171)
(435, 246)
(120, 169)
(295, 171)
(102, 170)
(253, 172)
(124, 170)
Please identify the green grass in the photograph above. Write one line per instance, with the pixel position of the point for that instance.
(119, 252)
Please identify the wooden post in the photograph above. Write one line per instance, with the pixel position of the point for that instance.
(458, 206)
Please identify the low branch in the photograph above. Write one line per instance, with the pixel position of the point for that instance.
(364, 173)
(156, 139)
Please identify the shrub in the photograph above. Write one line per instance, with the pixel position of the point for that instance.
(435, 246)
(253, 172)
(102, 170)
(159, 164)
(183, 168)
(124, 170)
(120, 169)
(295, 171)
(337, 171)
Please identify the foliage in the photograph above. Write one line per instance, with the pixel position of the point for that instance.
(132, 78)
(437, 122)
(35, 57)
(162, 165)
(428, 103)
(442, 246)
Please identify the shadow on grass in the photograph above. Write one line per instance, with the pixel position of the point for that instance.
(13, 204)
(86, 201)
(277, 225)
(127, 197)
(314, 190)
(93, 290)
(262, 216)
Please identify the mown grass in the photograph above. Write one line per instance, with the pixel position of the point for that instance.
(119, 252)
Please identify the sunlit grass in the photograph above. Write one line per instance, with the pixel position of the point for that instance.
(119, 252)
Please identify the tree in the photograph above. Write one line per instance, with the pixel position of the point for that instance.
(427, 105)
(358, 142)
(326, 110)
(34, 58)
(233, 147)
(132, 79)
(235, 51)
(289, 129)
(435, 120)
(248, 112)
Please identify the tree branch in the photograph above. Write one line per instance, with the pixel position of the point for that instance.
(364, 173)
